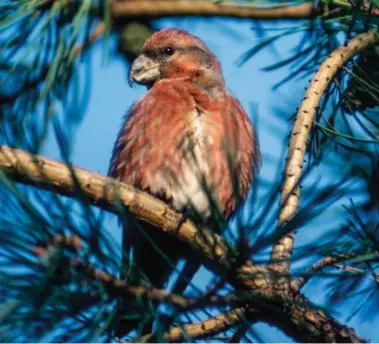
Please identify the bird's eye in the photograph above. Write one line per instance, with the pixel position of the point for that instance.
(169, 51)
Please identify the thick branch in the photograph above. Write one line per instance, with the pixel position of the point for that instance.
(302, 321)
(282, 250)
(307, 324)
(158, 8)
(112, 195)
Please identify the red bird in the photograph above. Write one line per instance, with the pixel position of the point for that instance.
(187, 141)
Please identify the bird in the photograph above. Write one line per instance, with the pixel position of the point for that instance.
(187, 141)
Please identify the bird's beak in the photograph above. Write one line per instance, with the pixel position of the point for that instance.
(144, 71)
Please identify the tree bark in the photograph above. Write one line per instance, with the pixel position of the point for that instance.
(294, 314)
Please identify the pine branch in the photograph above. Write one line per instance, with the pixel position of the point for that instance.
(296, 285)
(117, 287)
(112, 195)
(351, 269)
(282, 250)
(295, 315)
(305, 323)
(121, 287)
(159, 8)
(203, 329)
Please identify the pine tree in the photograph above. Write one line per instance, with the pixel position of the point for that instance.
(61, 273)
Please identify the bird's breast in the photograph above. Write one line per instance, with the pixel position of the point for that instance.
(193, 186)
(186, 149)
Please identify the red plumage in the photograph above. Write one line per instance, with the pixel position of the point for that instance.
(186, 139)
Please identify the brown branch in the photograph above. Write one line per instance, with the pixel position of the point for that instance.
(282, 250)
(302, 321)
(115, 286)
(297, 316)
(305, 323)
(120, 287)
(158, 8)
(296, 285)
(351, 269)
(110, 195)
(203, 329)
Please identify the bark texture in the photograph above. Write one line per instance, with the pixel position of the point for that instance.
(277, 305)
(290, 196)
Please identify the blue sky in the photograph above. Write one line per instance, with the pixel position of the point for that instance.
(110, 97)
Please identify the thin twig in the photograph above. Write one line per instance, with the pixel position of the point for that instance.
(115, 286)
(297, 284)
(119, 287)
(372, 276)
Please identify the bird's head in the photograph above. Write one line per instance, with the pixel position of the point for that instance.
(173, 54)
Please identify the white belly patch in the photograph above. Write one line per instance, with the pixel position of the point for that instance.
(193, 185)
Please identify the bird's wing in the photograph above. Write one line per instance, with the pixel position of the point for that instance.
(247, 145)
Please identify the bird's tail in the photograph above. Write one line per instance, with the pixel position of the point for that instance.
(155, 255)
